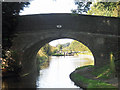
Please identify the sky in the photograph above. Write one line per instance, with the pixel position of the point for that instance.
(50, 6)
(60, 41)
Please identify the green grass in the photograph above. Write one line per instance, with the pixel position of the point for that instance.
(58, 54)
(90, 66)
(104, 72)
(91, 83)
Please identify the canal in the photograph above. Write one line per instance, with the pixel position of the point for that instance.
(56, 75)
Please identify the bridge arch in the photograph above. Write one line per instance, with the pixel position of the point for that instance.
(29, 53)
(49, 40)
(68, 38)
(33, 31)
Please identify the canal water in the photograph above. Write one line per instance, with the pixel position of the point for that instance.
(56, 75)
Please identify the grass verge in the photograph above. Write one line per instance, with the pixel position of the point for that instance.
(91, 83)
(100, 73)
(90, 66)
(58, 54)
(104, 72)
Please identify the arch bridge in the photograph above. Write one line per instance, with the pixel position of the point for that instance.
(100, 34)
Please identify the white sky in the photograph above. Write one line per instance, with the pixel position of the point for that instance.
(60, 41)
(50, 6)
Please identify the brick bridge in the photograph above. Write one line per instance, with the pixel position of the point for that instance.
(100, 34)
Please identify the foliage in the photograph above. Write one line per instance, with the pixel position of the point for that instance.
(46, 49)
(8, 63)
(65, 45)
(75, 48)
(103, 8)
(62, 47)
(57, 54)
(111, 9)
(53, 49)
(100, 72)
(78, 46)
(13, 8)
(10, 12)
(117, 10)
(104, 72)
(43, 56)
(81, 7)
(42, 62)
(91, 83)
(59, 46)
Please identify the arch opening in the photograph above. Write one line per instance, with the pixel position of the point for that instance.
(60, 57)
(64, 47)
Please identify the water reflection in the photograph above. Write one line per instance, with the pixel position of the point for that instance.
(56, 75)
(12, 82)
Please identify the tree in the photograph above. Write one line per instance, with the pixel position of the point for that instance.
(103, 8)
(78, 46)
(59, 46)
(53, 49)
(82, 7)
(99, 8)
(46, 49)
(65, 45)
(10, 12)
(117, 10)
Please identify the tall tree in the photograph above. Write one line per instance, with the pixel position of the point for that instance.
(82, 7)
(10, 12)
(103, 8)
(46, 49)
(59, 46)
(78, 46)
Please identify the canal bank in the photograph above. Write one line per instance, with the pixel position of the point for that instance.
(88, 77)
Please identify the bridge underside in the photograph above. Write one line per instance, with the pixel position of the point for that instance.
(99, 34)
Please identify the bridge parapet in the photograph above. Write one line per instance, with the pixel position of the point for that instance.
(69, 22)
